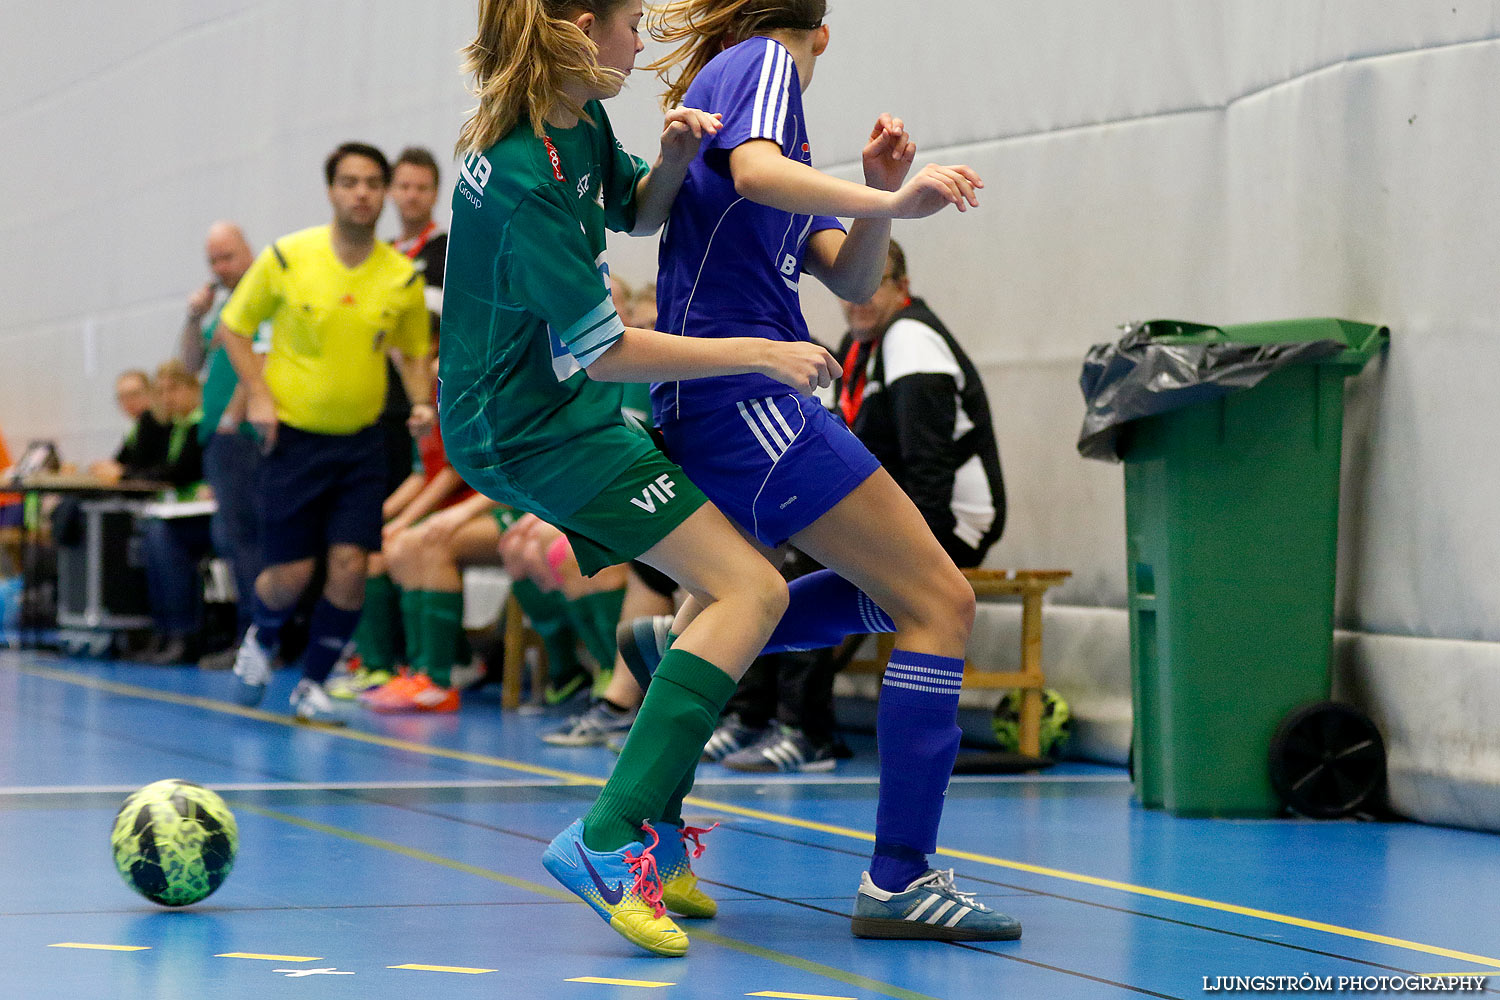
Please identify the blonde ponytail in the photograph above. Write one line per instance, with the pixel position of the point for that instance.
(524, 56)
(706, 27)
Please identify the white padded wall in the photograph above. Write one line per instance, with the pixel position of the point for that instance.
(1218, 162)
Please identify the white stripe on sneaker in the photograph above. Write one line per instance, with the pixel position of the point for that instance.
(756, 430)
(953, 920)
(922, 906)
(937, 914)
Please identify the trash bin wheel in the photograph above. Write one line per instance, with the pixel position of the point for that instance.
(1327, 761)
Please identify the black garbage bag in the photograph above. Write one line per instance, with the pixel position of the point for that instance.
(1137, 376)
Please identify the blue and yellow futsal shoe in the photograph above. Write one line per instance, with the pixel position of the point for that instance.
(679, 886)
(622, 886)
(931, 908)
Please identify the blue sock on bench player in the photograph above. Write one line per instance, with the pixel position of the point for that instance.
(917, 731)
(269, 623)
(327, 634)
(822, 610)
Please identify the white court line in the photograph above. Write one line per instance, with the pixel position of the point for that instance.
(394, 786)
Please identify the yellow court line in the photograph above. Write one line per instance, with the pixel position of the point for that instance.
(101, 947)
(797, 996)
(552, 892)
(644, 984)
(444, 968)
(267, 958)
(212, 705)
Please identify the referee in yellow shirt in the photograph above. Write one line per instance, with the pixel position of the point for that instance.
(339, 303)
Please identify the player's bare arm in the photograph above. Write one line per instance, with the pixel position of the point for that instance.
(649, 356)
(764, 175)
(681, 137)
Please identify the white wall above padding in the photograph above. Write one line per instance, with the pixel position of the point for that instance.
(1218, 162)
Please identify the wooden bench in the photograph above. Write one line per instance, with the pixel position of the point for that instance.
(1030, 585)
(519, 640)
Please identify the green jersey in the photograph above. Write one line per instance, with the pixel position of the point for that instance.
(526, 308)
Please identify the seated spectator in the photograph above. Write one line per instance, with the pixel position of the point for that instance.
(911, 394)
(176, 546)
(913, 397)
(427, 562)
(145, 445)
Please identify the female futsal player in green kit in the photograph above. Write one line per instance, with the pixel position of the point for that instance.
(531, 360)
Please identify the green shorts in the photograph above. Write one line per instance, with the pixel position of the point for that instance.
(643, 505)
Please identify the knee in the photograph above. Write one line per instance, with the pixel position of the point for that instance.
(397, 555)
(941, 599)
(281, 585)
(769, 593)
(346, 576)
(958, 601)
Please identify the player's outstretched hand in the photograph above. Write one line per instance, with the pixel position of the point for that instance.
(934, 188)
(683, 134)
(889, 153)
(804, 366)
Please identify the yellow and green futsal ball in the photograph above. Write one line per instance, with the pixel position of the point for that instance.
(174, 842)
(1057, 723)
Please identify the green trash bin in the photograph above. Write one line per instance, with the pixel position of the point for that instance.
(1232, 511)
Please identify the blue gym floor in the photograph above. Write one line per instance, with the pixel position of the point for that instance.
(401, 843)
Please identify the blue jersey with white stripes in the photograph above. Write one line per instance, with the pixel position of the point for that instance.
(730, 267)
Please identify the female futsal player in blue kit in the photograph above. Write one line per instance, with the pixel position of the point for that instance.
(752, 216)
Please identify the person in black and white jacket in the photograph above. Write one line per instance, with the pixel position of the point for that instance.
(911, 394)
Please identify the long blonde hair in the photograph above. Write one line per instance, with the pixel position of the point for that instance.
(524, 55)
(706, 27)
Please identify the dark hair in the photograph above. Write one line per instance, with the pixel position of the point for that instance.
(896, 258)
(331, 165)
(416, 156)
(703, 27)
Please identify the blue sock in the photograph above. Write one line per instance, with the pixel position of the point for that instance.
(268, 624)
(823, 610)
(327, 634)
(917, 730)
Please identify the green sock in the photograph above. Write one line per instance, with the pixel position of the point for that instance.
(412, 602)
(678, 716)
(672, 811)
(442, 634)
(595, 617)
(377, 637)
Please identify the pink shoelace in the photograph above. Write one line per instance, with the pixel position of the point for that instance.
(693, 833)
(647, 881)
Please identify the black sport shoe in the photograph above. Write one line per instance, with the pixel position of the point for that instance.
(781, 749)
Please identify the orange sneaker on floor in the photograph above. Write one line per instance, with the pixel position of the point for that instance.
(421, 695)
(402, 682)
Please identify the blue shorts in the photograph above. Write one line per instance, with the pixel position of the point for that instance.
(319, 490)
(774, 465)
